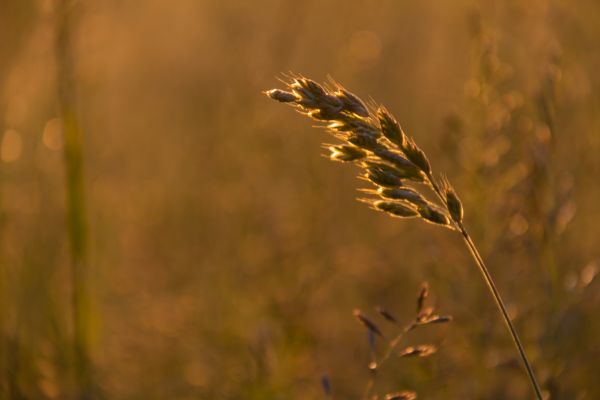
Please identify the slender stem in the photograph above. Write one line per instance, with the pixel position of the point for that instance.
(76, 216)
(391, 346)
(394, 343)
(494, 291)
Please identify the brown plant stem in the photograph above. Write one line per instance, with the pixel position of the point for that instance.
(487, 277)
(498, 299)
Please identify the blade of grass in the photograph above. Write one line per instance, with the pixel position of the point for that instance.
(76, 221)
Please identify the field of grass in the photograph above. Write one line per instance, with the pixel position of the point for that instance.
(169, 232)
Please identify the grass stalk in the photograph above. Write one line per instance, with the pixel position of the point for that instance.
(76, 221)
(394, 164)
(424, 316)
(493, 289)
(498, 299)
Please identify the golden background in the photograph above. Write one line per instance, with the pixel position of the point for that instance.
(223, 255)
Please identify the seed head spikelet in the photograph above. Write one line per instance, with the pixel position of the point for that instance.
(402, 330)
(370, 325)
(423, 293)
(391, 128)
(395, 208)
(406, 395)
(452, 201)
(345, 153)
(422, 350)
(386, 314)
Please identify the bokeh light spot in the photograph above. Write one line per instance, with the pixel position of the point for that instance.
(518, 225)
(12, 145)
(365, 46)
(52, 135)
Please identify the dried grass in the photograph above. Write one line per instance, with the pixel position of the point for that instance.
(395, 165)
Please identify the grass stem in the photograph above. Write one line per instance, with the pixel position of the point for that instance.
(76, 222)
(493, 290)
(498, 299)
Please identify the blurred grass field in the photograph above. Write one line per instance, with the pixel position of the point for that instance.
(225, 254)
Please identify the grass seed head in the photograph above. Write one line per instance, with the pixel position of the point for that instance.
(373, 367)
(410, 170)
(417, 156)
(351, 122)
(430, 214)
(281, 95)
(386, 314)
(346, 153)
(405, 395)
(307, 88)
(435, 319)
(403, 193)
(314, 97)
(395, 208)
(423, 293)
(382, 177)
(370, 325)
(453, 203)
(364, 139)
(391, 128)
(424, 313)
(351, 102)
(422, 350)
(325, 113)
(389, 155)
(374, 163)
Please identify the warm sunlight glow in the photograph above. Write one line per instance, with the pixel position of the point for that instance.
(11, 146)
(52, 135)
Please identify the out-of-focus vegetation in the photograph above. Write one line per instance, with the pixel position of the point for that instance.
(225, 255)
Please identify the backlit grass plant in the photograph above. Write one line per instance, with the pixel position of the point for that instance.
(424, 316)
(391, 161)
